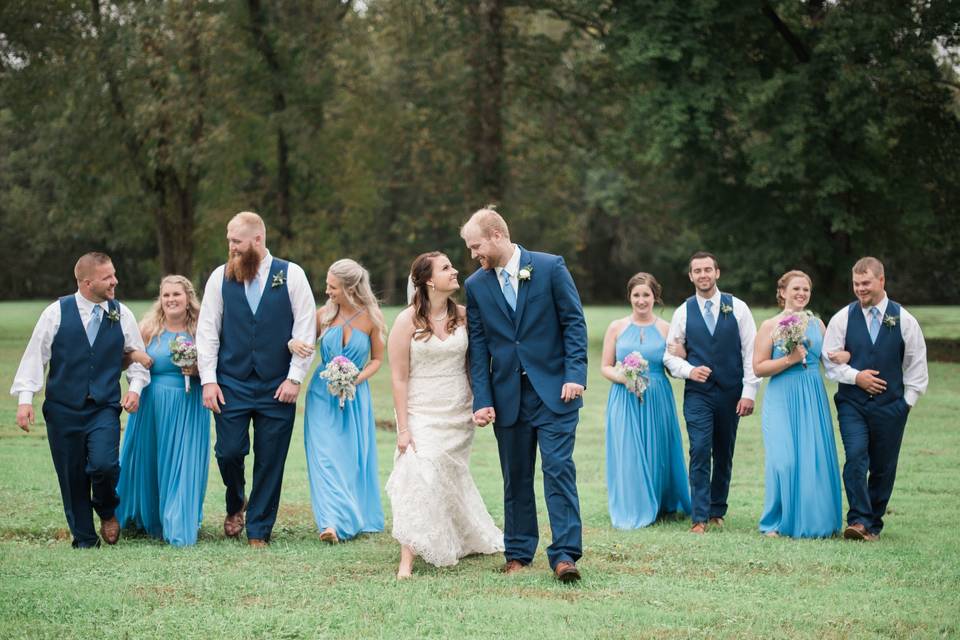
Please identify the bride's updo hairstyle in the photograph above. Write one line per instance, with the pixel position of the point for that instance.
(785, 280)
(420, 273)
(355, 284)
(647, 279)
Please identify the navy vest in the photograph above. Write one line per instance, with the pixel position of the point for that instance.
(886, 355)
(79, 371)
(720, 351)
(256, 343)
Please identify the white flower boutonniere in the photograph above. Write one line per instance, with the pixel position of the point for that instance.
(113, 315)
(890, 321)
(525, 273)
(278, 279)
(726, 309)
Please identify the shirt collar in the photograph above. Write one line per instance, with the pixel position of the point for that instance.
(264, 269)
(881, 307)
(715, 299)
(513, 264)
(88, 305)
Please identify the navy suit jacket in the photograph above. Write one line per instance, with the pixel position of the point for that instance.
(546, 337)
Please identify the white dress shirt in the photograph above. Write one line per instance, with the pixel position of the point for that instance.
(680, 368)
(29, 379)
(513, 268)
(211, 319)
(915, 377)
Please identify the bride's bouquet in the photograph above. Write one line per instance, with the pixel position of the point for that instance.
(183, 353)
(636, 370)
(791, 331)
(341, 376)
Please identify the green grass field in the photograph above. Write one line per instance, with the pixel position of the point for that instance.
(651, 583)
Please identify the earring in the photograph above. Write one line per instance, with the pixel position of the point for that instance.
(431, 285)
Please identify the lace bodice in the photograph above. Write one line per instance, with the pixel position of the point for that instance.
(438, 375)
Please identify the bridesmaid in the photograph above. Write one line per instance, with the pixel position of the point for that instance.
(646, 476)
(341, 443)
(802, 475)
(166, 445)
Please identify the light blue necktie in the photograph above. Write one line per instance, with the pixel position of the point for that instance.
(708, 316)
(874, 324)
(508, 291)
(93, 327)
(253, 294)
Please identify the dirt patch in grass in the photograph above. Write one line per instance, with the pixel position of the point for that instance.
(943, 350)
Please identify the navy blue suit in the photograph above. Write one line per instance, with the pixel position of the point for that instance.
(82, 411)
(710, 408)
(519, 361)
(872, 426)
(253, 361)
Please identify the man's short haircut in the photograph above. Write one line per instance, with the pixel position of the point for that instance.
(867, 263)
(700, 255)
(251, 221)
(88, 262)
(486, 220)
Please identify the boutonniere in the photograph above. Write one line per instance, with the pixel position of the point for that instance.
(726, 309)
(113, 315)
(525, 273)
(278, 279)
(890, 321)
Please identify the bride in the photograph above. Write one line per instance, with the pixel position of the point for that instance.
(438, 513)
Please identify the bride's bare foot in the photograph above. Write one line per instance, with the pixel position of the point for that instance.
(405, 570)
(329, 535)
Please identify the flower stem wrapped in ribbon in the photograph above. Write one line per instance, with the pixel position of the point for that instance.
(341, 376)
(791, 331)
(183, 353)
(636, 370)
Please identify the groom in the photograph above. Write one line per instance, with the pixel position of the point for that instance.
(528, 368)
(251, 307)
(885, 377)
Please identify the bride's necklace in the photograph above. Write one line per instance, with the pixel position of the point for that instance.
(439, 318)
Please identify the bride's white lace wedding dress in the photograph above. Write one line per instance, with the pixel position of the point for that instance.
(437, 510)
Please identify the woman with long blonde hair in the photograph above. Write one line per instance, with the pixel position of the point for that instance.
(166, 445)
(339, 433)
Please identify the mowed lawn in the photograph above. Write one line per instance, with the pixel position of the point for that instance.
(651, 583)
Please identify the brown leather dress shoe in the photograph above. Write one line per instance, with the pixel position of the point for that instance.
(716, 521)
(566, 571)
(257, 543)
(699, 528)
(233, 525)
(858, 532)
(110, 530)
(512, 566)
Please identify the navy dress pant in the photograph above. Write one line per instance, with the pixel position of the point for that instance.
(711, 417)
(85, 446)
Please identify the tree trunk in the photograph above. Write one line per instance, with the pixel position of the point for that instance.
(485, 128)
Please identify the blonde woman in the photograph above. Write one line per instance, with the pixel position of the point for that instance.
(341, 441)
(166, 445)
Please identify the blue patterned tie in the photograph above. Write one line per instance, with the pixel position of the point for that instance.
(708, 316)
(508, 291)
(874, 324)
(253, 294)
(93, 327)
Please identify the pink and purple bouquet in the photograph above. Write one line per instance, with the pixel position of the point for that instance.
(636, 370)
(791, 331)
(341, 376)
(183, 353)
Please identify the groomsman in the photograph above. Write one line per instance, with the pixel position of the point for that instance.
(717, 332)
(885, 377)
(83, 338)
(252, 306)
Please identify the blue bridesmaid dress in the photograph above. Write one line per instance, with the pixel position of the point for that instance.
(802, 475)
(646, 474)
(166, 453)
(341, 445)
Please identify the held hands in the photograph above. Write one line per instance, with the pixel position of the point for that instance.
(744, 407)
(571, 391)
(131, 402)
(213, 397)
(869, 382)
(701, 373)
(25, 416)
(677, 349)
(483, 417)
(839, 357)
(287, 391)
(300, 348)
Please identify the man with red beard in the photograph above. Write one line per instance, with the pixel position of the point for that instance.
(252, 306)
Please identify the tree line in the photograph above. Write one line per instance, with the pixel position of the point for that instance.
(623, 135)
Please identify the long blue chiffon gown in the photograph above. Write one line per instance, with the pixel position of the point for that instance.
(646, 473)
(341, 445)
(166, 453)
(802, 477)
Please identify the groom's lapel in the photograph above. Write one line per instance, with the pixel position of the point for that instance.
(490, 277)
(523, 285)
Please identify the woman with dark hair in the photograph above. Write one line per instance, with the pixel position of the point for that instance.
(438, 513)
(646, 476)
